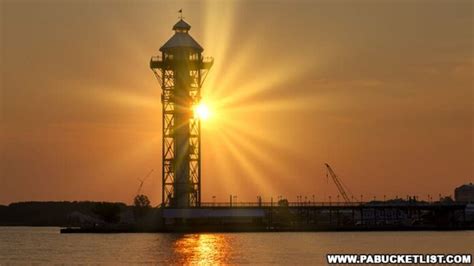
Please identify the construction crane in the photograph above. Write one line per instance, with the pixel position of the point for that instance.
(338, 184)
(143, 181)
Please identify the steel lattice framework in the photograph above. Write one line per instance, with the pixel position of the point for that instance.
(181, 71)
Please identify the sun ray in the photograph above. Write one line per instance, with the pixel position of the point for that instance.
(218, 32)
(221, 164)
(252, 173)
(264, 154)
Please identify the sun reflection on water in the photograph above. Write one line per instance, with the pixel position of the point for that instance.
(203, 249)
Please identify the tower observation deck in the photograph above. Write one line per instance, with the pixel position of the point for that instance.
(181, 70)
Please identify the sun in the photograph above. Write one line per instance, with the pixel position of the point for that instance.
(202, 112)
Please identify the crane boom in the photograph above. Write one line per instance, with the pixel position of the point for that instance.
(143, 181)
(338, 184)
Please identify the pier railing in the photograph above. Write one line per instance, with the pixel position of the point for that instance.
(321, 204)
(276, 204)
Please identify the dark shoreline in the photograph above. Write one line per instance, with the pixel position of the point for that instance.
(237, 230)
(104, 217)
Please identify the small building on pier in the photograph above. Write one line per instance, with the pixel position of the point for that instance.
(464, 193)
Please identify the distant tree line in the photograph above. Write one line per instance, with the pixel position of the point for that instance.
(52, 213)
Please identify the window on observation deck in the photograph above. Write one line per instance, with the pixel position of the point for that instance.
(194, 56)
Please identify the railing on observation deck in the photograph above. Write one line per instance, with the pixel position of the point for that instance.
(158, 58)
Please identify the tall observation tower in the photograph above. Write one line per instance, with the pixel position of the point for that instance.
(181, 70)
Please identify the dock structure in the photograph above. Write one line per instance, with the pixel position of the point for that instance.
(294, 217)
(317, 216)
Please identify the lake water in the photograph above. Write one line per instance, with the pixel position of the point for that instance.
(47, 246)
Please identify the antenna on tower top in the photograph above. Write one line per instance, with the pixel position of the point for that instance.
(180, 14)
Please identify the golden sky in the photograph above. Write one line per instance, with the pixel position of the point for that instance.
(381, 90)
